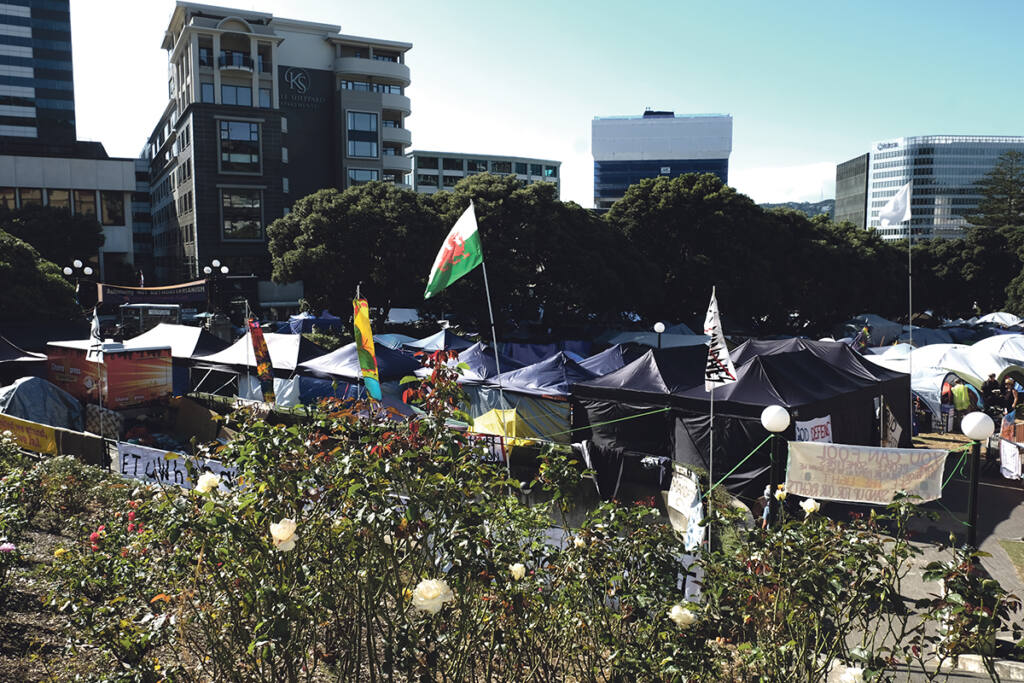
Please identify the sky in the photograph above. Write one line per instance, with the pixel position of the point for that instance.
(808, 84)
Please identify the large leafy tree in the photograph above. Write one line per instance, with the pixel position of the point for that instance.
(375, 234)
(57, 234)
(1002, 191)
(31, 287)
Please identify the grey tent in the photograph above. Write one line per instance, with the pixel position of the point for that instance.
(37, 400)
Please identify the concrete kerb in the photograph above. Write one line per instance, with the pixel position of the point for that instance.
(1005, 669)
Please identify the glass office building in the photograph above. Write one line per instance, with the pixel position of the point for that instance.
(944, 170)
(628, 149)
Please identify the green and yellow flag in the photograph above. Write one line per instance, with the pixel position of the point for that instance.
(460, 253)
(364, 345)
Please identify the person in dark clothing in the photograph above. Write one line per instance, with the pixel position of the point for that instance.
(1010, 396)
(991, 393)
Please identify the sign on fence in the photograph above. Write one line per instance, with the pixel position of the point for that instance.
(863, 474)
(152, 465)
(31, 436)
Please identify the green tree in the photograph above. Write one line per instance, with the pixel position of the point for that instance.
(57, 234)
(1002, 191)
(375, 234)
(31, 287)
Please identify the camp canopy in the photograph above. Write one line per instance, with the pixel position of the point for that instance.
(610, 360)
(392, 341)
(1007, 346)
(287, 351)
(441, 341)
(882, 331)
(667, 340)
(15, 362)
(549, 377)
(305, 322)
(482, 363)
(343, 363)
(185, 341)
(924, 336)
(36, 400)
(1001, 318)
(506, 423)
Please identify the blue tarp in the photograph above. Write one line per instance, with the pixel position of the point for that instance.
(480, 359)
(528, 354)
(37, 400)
(305, 322)
(550, 377)
(609, 360)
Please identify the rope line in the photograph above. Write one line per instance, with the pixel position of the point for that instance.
(601, 424)
(957, 467)
(747, 457)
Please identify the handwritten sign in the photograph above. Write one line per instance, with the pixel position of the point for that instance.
(31, 436)
(153, 465)
(685, 512)
(819, 429)
(863, 474)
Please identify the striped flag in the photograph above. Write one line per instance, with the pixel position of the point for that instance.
(719, 369)
(365, 348)
(264, 367)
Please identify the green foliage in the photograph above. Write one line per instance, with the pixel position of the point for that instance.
(57, 234)
(31, 287)
(1002, 191)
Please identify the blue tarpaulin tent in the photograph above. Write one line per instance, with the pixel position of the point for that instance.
(305, 322)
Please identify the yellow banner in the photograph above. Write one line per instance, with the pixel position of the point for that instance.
(31, 436)
(863, 474)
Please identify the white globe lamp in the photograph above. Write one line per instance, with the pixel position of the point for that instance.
(977, 426)
(775, 419)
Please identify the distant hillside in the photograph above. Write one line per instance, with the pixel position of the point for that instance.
(826, 206)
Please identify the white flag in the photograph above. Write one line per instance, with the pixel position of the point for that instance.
(897, 209)
(719, 370)
(96, 339)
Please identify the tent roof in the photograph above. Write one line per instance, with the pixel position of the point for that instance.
(658, 372)
(286, 352)
(185, 341)
(834, 353)
(1001, 318)
(507, 423)
(480, 359)
(1008, 346)
(441, 341)
(344, 363)
(392, 341)
(610, 360)
(37, 400)
(551, 376)
(648, 338)
(11, 353)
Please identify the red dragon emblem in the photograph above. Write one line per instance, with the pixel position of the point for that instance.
(453, 252)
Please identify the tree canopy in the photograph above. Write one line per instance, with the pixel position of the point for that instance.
(57, 234)
(1002, 191)
(32, 287)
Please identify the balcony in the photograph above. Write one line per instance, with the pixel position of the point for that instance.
(396, 163)
(399, 135)
(357, 66)
(396, 102)
(235, 60)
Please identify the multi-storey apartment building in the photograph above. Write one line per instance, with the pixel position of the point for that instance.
(263, 111)
(41, 161)
(943, 171)
(437, 171)
(628, 149)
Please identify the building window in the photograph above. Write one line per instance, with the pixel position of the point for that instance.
(205, 56)
(535, 169)
(476, 165)
(428, 162)
(112, 204)
(236, 94)
(361, 176)
(243, 215)
(362, 135)
(59, 199)
(284, 124)
(239, 146)
(453, 165)
(550, 171)
(265, 98)
(31, 196)
(520, 168)
(284, 155)
(501, 166)
(284, 185)
(85, 202)
(7, 199)
(426, 180)
(451, 180)
(206, 92)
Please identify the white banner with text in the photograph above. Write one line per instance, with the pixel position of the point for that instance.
(819, 429)
(863, 474)
(153, 465)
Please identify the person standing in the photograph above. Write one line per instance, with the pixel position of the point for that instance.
(1011, 397)
(991, 394)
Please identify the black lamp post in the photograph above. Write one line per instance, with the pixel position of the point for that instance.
(976, 426)
(77, 269)
(659, 327)
(776, 420)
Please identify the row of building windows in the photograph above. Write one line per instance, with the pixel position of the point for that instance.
(362, 135)
(81, 202)
(483, 166)
(363, 86)
(239, 95)
(185, 203)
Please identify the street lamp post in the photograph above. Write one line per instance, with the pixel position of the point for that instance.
(776, 420)
(212, 272)
(659, 327)
(976, 426)
(77, 269)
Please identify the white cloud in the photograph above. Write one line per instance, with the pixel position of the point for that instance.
(773, 184)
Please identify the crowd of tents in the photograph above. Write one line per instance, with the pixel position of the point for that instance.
(633, 407)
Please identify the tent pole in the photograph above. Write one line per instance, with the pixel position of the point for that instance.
(497, 360)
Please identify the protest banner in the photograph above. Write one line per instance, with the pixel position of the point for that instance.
(153, 465)
(863, 474)
(685, 512)
(31, 436)
(819, 429)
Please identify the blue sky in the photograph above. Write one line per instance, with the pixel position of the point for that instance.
(808, 84)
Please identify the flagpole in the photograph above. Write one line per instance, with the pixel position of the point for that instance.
(910, 319)
(711, 467)
(497, 362)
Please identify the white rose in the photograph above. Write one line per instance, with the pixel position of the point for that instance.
(579, 542)
(284, 534)
(683, 617)
(431, 594)
(518, 570)
(810, 506)
(780, 495)
(207, 482)
(852, 674)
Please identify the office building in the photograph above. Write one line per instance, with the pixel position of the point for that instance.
(944, 171)
(852, 191)
(41, 161)
(628, 149)
(263, 111)
(437, 171)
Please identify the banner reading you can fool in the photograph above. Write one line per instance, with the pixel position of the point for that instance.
(863, 474)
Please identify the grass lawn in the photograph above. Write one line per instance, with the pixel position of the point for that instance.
(1015, 549)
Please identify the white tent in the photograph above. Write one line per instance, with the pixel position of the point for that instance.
(1000, 318)
(1008, 346)
(286, 352)
(185, 341)
(972, 364)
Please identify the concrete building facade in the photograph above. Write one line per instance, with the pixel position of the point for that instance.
(263, 111)
(437, 171)
(628, 149)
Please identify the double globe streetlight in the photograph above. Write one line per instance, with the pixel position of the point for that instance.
(77, 269)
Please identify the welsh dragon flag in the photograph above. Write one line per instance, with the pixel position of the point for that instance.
(460, 253)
